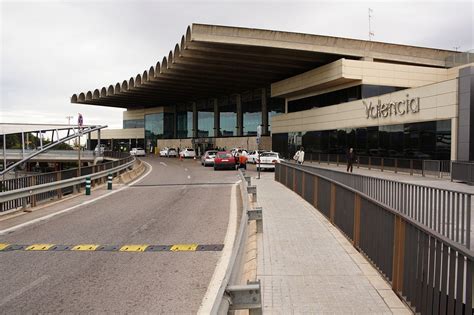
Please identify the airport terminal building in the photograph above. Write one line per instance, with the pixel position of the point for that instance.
(324, 93)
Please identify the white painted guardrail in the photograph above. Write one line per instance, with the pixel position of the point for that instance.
(38, 189)
(232, 296)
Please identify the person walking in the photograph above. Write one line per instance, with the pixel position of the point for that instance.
(350, 159)
(299, 156)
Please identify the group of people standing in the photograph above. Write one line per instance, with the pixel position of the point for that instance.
(350, 157)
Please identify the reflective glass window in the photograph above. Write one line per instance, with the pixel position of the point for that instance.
(133, 123)
(227, 117)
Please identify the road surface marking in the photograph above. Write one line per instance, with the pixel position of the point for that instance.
(114, 248)
(49, 216)
(85, 247)
(17, 293)
(189, 177)
(133, 248)
(185, 169)
(184, 247)
(163, 163)
(220, 272)
(39, 247)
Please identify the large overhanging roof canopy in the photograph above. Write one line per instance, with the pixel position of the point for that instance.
(218, 60)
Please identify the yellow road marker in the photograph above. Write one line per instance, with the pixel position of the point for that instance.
(39, 247)
(184, 247)
(133, 248)
(85, 247)
(3, 246)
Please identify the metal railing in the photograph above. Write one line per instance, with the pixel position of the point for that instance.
(29, 182)
(430, 272)
(437, 168)
(445, 211)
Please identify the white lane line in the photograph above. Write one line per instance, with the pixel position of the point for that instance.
(219, 273)
(189, 176)
(185, 169)
(163, 163)
(27, 287)
(49, 216)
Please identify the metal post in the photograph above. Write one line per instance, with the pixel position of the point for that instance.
(4, 154)
(41, 139)
(79, 155)
(109, 181)
(88, 185)
(22, 145)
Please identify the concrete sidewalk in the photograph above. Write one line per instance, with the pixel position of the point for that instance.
(307, 266)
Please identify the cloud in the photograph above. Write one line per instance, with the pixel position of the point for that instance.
(65, 47)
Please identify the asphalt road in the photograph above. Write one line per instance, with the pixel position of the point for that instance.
(178, 202)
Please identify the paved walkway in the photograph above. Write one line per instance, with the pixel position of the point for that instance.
(307, 266)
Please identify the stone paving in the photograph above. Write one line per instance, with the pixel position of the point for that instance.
(307, 266)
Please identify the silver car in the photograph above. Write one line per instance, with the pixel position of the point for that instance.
(207, 159)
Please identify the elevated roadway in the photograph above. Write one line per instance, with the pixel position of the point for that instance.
(177, 202)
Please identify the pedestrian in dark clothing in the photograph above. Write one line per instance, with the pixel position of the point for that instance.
(350, 159)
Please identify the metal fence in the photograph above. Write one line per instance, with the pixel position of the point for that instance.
(431, 273)
(445, 211)
(437, 168)
(32, 180)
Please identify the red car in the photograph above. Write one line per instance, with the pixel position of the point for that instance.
(224, 160)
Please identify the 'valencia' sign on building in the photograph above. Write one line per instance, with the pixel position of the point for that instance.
(378, 110)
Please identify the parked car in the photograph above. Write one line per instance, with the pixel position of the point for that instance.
(208, 158)
(187, 153)
(137, 152)
(224, 160)
(253, 156)
(99, 150)
(172, 152)
(164, 151)
(268, 160)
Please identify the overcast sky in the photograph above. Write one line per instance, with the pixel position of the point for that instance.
(52, 49)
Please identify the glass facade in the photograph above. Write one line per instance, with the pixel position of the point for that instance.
(205, 119)
(184, 121)
(275, 106)
(251, 111)
(340, 96)
(158, 126)
(424, 140)
(227, 116)
(133, 123)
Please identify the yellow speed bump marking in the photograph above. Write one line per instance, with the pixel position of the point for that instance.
(85, 247)
(3, 246)
(184, 247)
(133, 248)
(39, 247)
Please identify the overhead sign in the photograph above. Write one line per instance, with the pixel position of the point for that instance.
(383, 110)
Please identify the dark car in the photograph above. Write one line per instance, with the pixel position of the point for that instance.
(224, 160)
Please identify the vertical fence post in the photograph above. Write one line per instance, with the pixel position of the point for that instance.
(398, 254)
(332, 207)
(59, 191)
(370, 162)
(315, 191)
(294, 179)
(356, 220)
(381, 164)
(396, 165)
(33, 197)
(109, 182)
(88, 185)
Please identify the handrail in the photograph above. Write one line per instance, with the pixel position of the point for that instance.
(222, 303)
(468, 252)
(34, 190)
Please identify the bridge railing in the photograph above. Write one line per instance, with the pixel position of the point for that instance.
(16, 184)
(432, 273)
(436, 168)
(448, 212)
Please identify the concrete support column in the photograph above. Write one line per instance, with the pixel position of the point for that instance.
(175, 121)
(264, 112)
(465, 126)
(286, 106)
(98, 139)
(240, 116)
(195, 120)
(217, 123)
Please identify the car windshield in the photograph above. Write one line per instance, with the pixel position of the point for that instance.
(269, 154)
(139, 149)
(224, 155)
(211, 153)
(171, 149)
